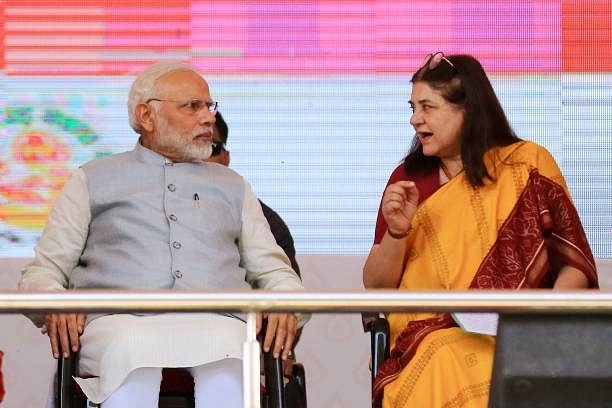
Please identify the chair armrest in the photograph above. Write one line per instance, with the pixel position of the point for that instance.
(273, 373)
(275, 386)
(66, 367)
(379, 335)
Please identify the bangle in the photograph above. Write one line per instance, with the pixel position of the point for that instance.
(399, 236)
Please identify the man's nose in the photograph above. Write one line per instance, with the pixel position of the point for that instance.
(206, 116)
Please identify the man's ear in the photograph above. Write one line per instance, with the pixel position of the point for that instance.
(145, 116)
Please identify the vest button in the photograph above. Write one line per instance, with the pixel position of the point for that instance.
(178, 274)
(172, 187)
(173, 217)
(176, 245)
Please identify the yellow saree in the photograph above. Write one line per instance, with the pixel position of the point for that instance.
(507, 234)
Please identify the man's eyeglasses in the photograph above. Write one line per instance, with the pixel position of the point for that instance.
(192, 105)
(432, 61)
(217, 148)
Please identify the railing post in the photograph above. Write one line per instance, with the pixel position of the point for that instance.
(250, 364)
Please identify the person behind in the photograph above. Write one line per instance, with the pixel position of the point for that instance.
(472, 206)
(156, 217)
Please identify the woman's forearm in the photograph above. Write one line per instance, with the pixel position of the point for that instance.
(385, 264)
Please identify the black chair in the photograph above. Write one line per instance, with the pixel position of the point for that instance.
(379, 342)
(176, 390)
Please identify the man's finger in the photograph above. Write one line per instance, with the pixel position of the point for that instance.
(73, 332)
(62, 330)
(270, 332)
(50, 323)
(280, 344)
(259, 323)
(291, 330)
(81, 319)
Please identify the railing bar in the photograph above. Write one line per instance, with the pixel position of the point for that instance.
(587, 301)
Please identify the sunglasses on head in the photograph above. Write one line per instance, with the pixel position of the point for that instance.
(432, 61)
(217, 148)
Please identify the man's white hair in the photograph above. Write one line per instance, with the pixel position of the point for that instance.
(144, 86)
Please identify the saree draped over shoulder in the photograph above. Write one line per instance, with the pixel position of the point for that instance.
(509, 234)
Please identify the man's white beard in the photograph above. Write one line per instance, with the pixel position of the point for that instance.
(208, 150)
(168, 143)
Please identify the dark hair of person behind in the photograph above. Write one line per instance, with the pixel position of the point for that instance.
(485, 124)
(222, 127)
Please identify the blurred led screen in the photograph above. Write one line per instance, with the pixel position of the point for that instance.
(314, 92)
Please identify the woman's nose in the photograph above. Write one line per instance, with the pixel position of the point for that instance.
(415, 118)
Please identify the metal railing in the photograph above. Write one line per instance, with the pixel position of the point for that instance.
(523, 301)
(252, 302)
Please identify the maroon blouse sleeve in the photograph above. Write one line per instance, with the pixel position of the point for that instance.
(427, 185)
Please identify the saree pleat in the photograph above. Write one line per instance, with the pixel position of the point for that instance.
(511, 233)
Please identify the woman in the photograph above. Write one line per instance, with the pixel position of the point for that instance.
(472, 206)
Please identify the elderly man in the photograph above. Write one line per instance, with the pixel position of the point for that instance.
(148, 219)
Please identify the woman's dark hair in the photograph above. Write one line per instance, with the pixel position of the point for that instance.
(463, 82)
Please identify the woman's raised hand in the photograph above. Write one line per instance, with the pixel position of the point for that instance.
(399, 204)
